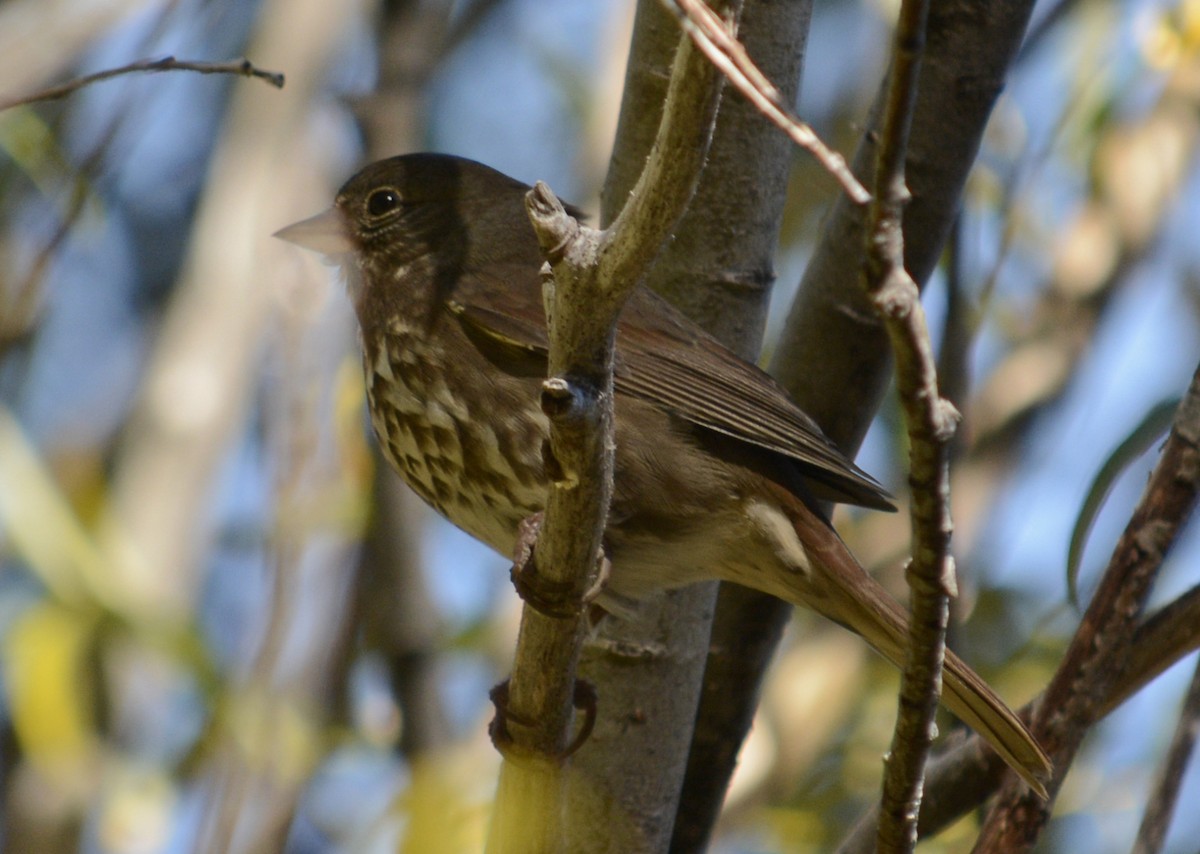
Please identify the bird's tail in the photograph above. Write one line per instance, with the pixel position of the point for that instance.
(839, 588)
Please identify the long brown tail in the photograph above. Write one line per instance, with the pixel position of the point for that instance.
(963, 691)
(839, 588)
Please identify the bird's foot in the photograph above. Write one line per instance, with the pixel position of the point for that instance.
(584, 700)
(556, 599)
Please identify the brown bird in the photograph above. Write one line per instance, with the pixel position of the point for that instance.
(718, 473)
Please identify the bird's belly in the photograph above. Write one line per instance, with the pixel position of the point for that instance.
(697, 549)
(479, 470)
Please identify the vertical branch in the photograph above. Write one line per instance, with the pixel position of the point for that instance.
(931, 424)
(593, 274)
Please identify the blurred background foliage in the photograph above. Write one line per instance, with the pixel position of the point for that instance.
(223, 626)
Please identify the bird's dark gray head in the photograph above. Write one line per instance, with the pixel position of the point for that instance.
(426, 216)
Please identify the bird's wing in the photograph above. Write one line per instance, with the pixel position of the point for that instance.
(665, 359)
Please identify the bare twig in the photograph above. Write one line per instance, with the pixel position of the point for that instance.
(593, 274)
(1160, 806)
(931, 424)
(718, 42)
(1166, 636)
(242, 68)
(1100, 650)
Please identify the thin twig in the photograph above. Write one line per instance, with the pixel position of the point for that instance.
(242, 68)
(1166, 636)
(1160, 806)
(716, 39)
(931, 422)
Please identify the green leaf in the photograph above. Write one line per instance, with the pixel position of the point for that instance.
(1153, 424)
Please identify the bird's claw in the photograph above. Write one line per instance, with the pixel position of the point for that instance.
(584, 699)
(551, 598)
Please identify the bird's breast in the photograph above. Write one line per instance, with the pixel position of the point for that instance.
(467, 442)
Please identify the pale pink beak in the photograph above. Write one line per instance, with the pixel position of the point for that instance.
(325, 233)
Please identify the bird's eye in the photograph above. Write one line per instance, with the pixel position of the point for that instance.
(383, 201)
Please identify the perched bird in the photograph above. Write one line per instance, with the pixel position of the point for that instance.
(718, 473)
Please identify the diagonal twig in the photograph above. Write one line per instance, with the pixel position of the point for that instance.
(715, 40)
(1161, 804)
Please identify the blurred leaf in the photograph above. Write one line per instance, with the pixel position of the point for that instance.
(39, 521)
(30, 142)
(793, 830)
(274, 733)
(443, 816)
(137, 808)
(1144, 435)
(45, 659)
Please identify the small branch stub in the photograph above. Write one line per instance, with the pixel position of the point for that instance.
(556, 229)
(562, 400)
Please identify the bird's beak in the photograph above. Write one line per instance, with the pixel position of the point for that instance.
(326, 233)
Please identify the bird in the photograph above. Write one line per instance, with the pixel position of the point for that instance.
(718, 474)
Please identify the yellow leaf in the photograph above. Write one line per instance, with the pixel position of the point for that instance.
(45, 663)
